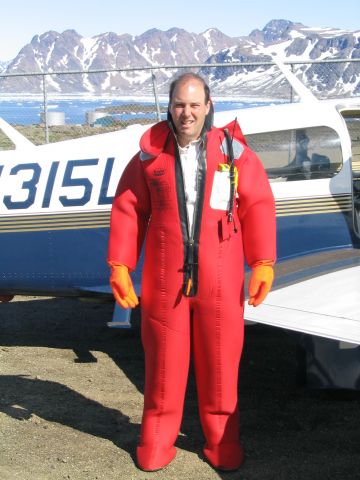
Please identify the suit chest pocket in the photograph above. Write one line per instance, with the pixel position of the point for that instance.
(220, 192)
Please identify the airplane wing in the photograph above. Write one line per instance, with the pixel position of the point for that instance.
(326, 305)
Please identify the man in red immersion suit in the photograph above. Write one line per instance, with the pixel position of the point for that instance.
(202, 199)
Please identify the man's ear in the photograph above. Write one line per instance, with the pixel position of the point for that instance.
(169, 118)
(209, 117)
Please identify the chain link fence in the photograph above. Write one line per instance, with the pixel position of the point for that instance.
(52, 106)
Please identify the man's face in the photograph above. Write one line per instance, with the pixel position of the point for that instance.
(188, 110)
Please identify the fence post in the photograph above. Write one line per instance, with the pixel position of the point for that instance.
(45, 119)
(158, 111)
(291, 88)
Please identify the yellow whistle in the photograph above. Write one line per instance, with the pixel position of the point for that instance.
(225, 167)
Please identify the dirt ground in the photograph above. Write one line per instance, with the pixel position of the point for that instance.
(71, 392)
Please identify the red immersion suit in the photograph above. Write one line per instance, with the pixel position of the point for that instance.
(192, 293)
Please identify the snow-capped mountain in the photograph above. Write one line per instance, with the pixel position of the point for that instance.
(291, 42)
(69, 51)
(3, 66)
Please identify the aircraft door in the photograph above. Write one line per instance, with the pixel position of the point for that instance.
(352, 119)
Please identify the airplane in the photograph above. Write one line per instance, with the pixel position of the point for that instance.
(55, 202)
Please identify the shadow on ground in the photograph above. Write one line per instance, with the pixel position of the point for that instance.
(290, 432)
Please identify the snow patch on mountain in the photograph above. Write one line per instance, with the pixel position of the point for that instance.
(69, 51)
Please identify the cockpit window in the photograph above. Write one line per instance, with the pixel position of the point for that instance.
(301, 154)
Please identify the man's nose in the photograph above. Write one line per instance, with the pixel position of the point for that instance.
(187, 110)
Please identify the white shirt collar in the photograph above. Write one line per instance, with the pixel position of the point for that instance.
(194, 143)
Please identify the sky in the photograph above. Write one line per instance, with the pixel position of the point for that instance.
(22, 19)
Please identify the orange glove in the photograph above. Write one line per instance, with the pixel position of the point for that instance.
(261, 279)
(122, 286)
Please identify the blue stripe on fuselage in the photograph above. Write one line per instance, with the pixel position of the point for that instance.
(69, 260)
(305, 234)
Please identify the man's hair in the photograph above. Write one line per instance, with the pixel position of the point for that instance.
(188, 76)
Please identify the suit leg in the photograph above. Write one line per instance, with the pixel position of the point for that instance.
(217, 345)
(167, 352)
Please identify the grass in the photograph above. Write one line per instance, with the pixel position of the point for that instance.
(36, 133)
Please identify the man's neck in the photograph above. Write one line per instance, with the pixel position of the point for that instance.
(185, 144)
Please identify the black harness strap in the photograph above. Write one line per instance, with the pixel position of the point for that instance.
(230, 150)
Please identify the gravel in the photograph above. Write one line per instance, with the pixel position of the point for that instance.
(71, 393)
